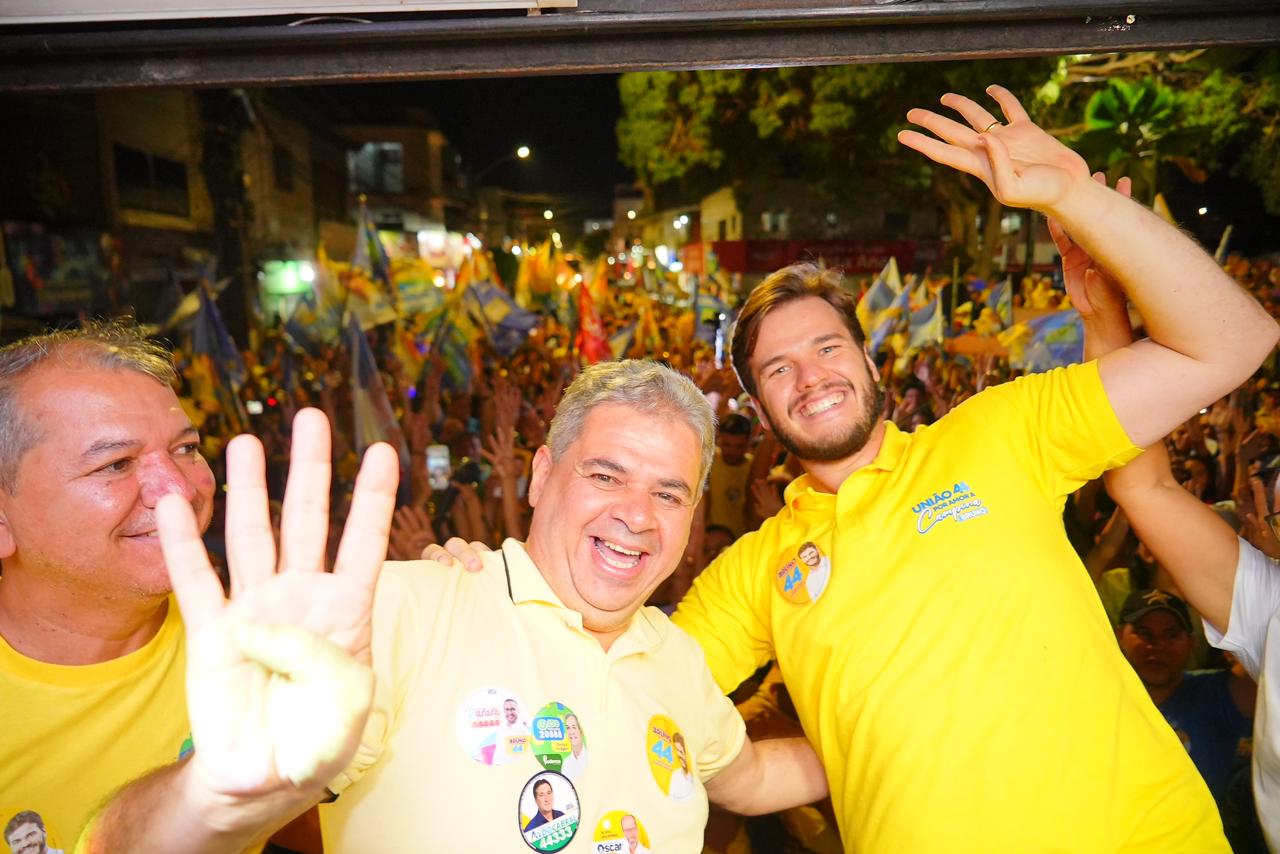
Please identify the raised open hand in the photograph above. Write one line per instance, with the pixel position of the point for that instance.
(1020, 163)
(278, 684)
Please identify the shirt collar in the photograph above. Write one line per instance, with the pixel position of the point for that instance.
(892, 448)
(645, 632)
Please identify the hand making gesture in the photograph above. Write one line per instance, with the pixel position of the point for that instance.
(1020, 163)
(278, 683)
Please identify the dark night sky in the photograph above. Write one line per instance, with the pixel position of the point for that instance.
(567, 121)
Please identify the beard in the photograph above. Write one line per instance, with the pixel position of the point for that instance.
(844, 444)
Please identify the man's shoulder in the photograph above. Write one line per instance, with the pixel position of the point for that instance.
(426, 580)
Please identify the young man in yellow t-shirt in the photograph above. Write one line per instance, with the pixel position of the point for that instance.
(956, 673)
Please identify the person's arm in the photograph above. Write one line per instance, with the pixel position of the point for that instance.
(1104, 552)
(767, 776)
(278, 677)
(1207, 334)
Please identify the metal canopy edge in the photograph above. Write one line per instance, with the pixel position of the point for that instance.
(612, 36)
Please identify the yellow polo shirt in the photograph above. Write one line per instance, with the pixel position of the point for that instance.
(478, 676)
(957, 672)
(71, 735)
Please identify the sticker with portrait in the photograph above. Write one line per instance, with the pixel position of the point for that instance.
(549, 813)
(558, 741)
(669, 759)
(27, 832)
(620, 832)
(493, 726)
(804, 578)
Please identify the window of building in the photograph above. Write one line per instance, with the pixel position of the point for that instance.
(149, 182)
(766, 222)
(377, 167)
(722, 229)
(282, 167)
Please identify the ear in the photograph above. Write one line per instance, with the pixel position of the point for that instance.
(541, 470)
(764, 419)
(871, 365)
(7, 544)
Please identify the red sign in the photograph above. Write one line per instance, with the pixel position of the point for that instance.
(852, 256)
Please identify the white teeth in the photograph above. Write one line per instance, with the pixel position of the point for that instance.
(821, 405)
(611, 552)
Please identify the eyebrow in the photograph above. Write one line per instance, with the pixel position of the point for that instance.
(672, 483)
(816, 341)
(106, 447)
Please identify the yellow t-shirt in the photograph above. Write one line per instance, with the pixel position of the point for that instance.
(956, 672)
(480, 678)
(728, 492)
(70, 735)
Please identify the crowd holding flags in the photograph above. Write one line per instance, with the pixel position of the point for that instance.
(217, 369)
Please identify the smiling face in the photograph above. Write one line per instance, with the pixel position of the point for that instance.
(573, 732)
(611, 515)
(27, 838)
(817, 389)
(82, 514)
(510, 711)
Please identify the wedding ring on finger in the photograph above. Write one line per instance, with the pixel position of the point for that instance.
(990, 126)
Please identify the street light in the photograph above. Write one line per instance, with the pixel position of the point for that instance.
(547, 214)
(521, 153)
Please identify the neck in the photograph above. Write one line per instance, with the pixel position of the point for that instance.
(613, 624)
(65, 627)
(1160, 693)
(830, 475)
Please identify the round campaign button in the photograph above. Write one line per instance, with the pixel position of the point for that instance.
(620, 832)
(804, 577)
(549, 813)
(493, 726)
(668, 757)
(558, 741)
(26, 830)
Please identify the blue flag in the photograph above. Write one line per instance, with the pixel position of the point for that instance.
(890, 320)
(506, 324)
(375, 421)
(925, 325)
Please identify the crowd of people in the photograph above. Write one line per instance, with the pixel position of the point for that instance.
(966, 639)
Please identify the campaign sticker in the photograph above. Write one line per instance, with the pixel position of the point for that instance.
(804, 578)
(25, 830)
(549, 812)
(493, 726)
(668, 757)
(620, 832)
(558, 742)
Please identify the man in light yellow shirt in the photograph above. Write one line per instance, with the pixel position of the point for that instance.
(555, 624)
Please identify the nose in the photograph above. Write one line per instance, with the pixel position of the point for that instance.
(159, 475)
(635, 509)
(809, 374)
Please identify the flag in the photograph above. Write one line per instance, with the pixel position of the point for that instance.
(925, 325)
(1048, 341)
(374, 419)
(506, 324)
(218, 371)
(592, 343)
(370, 255)
(620, 341)
(1000, 300)
(889, 320)
(880, 295)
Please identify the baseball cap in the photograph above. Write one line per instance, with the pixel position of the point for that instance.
(1142, 602)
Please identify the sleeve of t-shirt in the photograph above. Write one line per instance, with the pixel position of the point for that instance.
(727, 612)
(723, 732)
(1059, 423)
(1254, 599)
(400, 629)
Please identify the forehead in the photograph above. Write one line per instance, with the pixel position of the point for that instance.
(662, 443)
(78, 404)
(795, 324)
(1159, 620)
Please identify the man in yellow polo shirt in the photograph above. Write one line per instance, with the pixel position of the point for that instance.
(549, 631)
(958, 676)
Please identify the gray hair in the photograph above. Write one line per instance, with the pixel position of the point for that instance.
(642, 385)
(118, 345)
